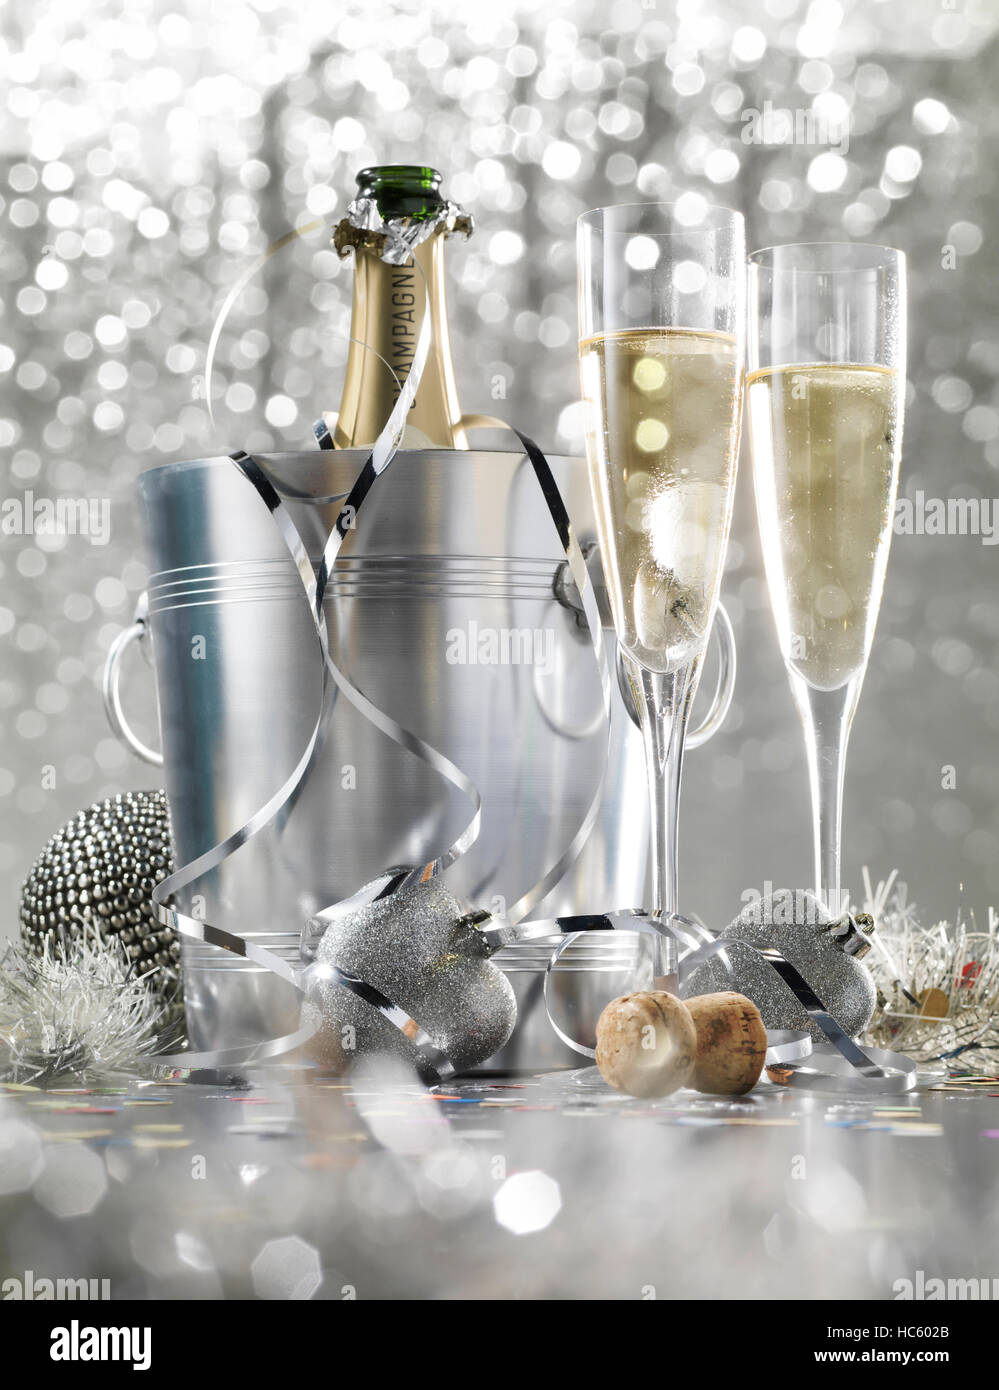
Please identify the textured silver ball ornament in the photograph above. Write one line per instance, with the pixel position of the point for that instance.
(99, 871)
(827, 954)
(413, 947)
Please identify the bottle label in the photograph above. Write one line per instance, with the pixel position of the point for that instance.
(404, 323)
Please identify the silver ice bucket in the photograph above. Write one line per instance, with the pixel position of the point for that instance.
(448, 608)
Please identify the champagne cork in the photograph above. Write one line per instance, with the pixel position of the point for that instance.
(731, 1043)
(646, 1044)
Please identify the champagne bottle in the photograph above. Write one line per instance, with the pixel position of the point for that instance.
(388, 308)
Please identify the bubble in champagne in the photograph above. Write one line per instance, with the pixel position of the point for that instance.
(832, 601)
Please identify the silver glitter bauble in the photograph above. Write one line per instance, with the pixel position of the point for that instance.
(795, 924)
(414, 948)
(100, 870)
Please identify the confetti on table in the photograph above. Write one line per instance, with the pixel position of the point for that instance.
(760, 1120)
(693, 1121)
(276, 1129)
(886, 1122)
(960, 1090)
(858, 1124)
(72, 1136)
(148, 1141)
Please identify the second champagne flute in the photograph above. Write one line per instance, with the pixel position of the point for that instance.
(661, 316)
(825, 394)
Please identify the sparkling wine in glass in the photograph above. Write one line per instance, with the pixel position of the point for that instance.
(661, 446)
(824, 399)
(661, 354)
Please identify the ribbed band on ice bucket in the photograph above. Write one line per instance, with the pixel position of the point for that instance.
(412, 576)
(592, 951)
(199, 956)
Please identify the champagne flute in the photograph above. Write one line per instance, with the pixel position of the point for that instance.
(661, 357)
(824, 398)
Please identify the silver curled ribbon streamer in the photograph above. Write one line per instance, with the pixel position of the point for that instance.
(307, 977)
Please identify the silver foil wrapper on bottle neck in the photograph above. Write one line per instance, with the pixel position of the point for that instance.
(396, 238)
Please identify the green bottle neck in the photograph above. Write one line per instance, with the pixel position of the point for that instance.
(402, 190)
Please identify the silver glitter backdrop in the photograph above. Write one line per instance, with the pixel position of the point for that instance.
(150, 150)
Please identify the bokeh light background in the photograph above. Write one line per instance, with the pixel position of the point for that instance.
(150, 150)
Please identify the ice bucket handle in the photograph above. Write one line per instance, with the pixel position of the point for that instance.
(724, 636)
(722, 633)
(112, 676)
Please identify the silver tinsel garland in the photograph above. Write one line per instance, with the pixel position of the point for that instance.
(938, 986)
(79, 1006)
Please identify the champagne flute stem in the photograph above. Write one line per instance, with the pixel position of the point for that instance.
(826, 716)
(664, 704)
